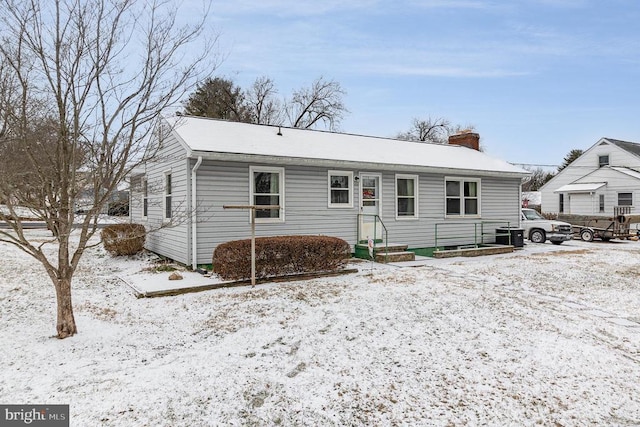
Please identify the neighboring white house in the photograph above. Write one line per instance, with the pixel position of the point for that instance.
(604, 176)
(347, 186)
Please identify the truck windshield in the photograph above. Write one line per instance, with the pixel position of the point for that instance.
(531, 214)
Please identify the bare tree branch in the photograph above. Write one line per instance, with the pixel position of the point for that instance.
(537, 179)
(322, 102)
(436, 130)
(264, 108)
(81, 86)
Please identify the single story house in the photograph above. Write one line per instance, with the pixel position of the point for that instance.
(605, 176)
(354, 187)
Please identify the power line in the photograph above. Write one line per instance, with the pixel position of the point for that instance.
(534, 164)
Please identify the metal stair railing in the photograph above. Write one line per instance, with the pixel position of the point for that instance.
(376, 220)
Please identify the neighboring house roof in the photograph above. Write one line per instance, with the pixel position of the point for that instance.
(580, 187)
(218, 139)
(596, 179)
(632, 147)
(627, 171)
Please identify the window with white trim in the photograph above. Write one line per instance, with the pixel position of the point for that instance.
(406, 196)
(601, 202)
(603, 160)
(340, 191)
(625, 199)
(462, 197)
(167, 208)
(145, 198)
(267, 188)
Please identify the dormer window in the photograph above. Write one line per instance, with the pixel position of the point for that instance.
(603, 161)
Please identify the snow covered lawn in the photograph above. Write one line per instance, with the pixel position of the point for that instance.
(547, 335)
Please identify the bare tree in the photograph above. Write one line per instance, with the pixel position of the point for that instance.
(537, 179)
(7, 90)
(435, 130)
(87, 79)
(262, 104)
(320, 103)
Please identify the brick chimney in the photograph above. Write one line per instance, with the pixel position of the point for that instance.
(466, 139)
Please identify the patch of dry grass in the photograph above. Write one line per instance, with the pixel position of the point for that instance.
(633, 271)
(562, 253)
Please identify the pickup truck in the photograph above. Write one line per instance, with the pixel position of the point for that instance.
(538, 229)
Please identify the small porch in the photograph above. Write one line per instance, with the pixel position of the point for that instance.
(451, 239)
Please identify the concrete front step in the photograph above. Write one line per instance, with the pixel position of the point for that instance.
(396, 256)
(389, 247)
(390, 252)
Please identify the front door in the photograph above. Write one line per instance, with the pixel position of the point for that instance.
(370, 206)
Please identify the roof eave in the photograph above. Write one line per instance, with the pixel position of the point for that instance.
(348, 164)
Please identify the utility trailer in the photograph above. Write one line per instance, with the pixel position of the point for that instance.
(601, 227)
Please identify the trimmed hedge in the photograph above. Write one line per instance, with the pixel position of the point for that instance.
(123, 239)
(280, 256)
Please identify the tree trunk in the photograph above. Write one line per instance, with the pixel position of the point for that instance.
(66, 326)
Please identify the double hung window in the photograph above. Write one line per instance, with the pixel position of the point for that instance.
(625, 199)
(267, 188)
(145, 198)
(340, 191)
(462, 197)
(406, 196)
(601, 202)
(168, 212)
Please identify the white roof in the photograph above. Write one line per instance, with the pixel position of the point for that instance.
(627, 171)
(224, 140)
(580, 188)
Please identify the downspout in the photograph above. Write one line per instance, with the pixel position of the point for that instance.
(194, 216)
(520, 205)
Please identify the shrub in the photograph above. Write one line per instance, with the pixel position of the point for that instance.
(123, 239)
(280, 256)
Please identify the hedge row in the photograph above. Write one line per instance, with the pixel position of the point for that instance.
(123, 239)
(280, 256)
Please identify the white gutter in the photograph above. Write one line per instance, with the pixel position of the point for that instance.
(239, 157)
(194, 216)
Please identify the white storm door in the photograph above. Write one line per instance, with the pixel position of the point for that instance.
(370, 206)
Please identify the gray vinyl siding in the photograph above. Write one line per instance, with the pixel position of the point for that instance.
(169, 239)
(499, 204)
(306, 207)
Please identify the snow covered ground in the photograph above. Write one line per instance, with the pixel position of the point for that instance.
(547, 335)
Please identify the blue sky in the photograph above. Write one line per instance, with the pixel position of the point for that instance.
(536, 78)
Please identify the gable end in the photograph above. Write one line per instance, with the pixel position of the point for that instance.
(631, 147)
